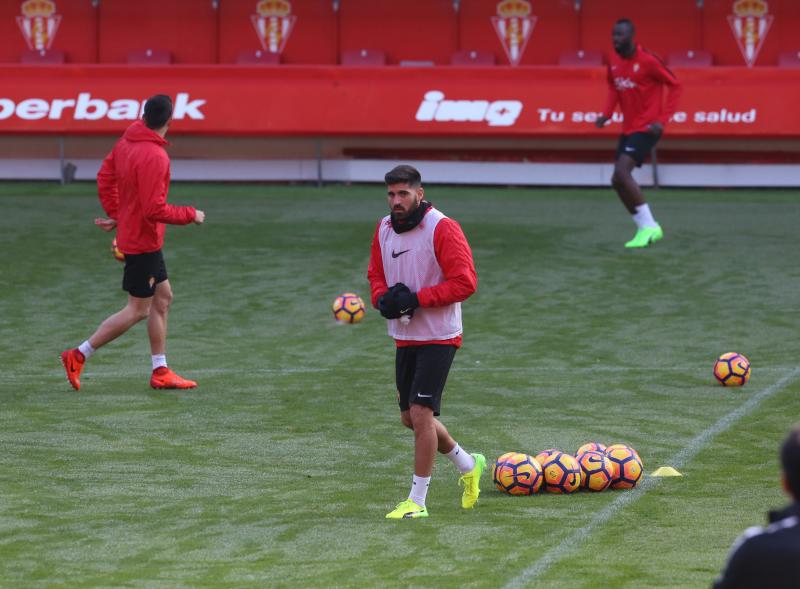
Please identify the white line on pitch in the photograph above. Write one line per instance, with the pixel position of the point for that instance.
(529, 575)
(13, 376)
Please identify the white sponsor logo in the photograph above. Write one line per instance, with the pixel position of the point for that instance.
(86, 108)
(624, 83)
(425, 396)
(500, 113)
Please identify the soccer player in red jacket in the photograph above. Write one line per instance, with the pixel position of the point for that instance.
(636, 80)
(132, 184)
(426, 258)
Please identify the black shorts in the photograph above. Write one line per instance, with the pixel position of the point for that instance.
(142, 273)
(421, 372)
(636, 145)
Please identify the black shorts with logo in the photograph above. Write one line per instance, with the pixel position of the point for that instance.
(142, 273)
(421, 372)
(637, 145)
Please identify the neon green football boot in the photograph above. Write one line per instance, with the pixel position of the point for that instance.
(645, 236)
(471, 482)
(406, 510)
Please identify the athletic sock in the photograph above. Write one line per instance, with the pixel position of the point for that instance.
(462, 459)
(86, 349)
(643, 217)
(159, 360)
(419, 490)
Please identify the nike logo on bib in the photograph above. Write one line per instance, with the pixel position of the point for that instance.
(398, 254)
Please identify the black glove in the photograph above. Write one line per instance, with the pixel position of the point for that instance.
(387, 305)
(407, 301)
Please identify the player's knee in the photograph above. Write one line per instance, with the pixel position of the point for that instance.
(421, 415)
(405, 419)
(163, 301)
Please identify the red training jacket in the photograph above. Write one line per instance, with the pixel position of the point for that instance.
(132, 185)
(637, 83)
(454, 257)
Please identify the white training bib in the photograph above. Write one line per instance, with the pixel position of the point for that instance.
(410, 258)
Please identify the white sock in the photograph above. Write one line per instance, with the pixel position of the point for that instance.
(643, 217)
(419, 490)
(86, 349)
(462, 459)
(159, 360)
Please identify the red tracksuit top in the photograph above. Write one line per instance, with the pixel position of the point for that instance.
(132, 185)
(455, 259)
(637, 83)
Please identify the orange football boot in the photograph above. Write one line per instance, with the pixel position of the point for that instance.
(73, 362)
(164, 378)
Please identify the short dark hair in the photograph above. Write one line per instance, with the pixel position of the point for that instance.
(404, 174)
(790, 460)
(626, 21)
(157, 111)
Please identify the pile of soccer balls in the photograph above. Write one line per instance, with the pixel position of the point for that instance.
(594, 467)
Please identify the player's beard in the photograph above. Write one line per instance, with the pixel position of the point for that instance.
(411, 219)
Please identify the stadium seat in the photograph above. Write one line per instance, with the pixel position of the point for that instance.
(363, 57)
(690, 58)
(789, 59)
(580, 58)
(53, 56)
(258, 57)
(472, 58)
(416, 63)
(149, 56)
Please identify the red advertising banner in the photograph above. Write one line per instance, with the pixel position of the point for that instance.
(388, 101)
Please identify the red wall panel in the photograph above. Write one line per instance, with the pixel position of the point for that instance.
(555, 30)
(781, 35)
(410, 30)
(187, 28)
(75, 35)
(660, 26)
(312, 38)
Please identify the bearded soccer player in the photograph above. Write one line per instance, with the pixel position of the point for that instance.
(425, 256)
(636, 80)
(132, 185)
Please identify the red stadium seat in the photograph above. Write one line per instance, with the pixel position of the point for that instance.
(53, 56)
(472, 58)
(690, 58)
(258, 57)
(789, 59)
(416, 63)
(149, 56)
(580, 58)
(363, 57)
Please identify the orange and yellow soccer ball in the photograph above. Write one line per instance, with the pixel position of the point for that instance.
(590, 447)
(118, 255)
(516, 473)
(732, 370)
(542, 456)
(597, 471)
(348, 308)
(627, 466)
(562, 473)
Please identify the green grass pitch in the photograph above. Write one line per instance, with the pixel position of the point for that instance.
(279, 469)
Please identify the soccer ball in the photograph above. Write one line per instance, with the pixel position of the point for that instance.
(596, 470)
(591, 447)
(732, 370)
(348, 308)
(562, 473)
(542, 456)
(118, 255)
(615, 446)
(516, 473)
(627, 466)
